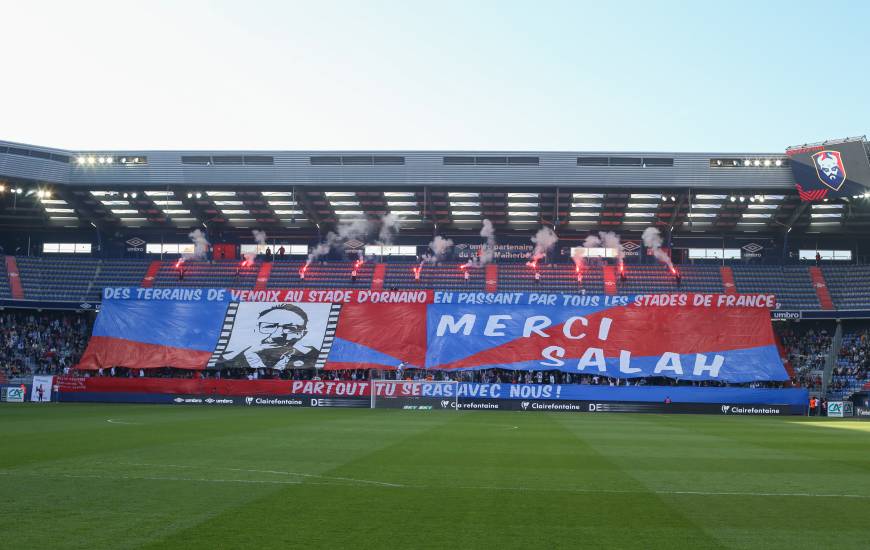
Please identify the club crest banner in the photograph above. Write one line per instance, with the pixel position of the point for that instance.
(685, 336)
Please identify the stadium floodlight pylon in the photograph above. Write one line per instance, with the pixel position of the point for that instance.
(415, 394)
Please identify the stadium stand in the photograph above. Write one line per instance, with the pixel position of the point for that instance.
(41, 342)
(64, 278)
(443, 276)
(215, 274)
(657, 278)
(76, 279)
(791, 284)
(849, 285)
(807, 346)
(286, 274)
(5, 294)
(556, 277)
(853, 362)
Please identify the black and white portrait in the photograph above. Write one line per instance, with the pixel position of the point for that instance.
(276, 335)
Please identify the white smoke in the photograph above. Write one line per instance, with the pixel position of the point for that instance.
(260, 239)
(487, 253)
(321, 249)
(353, 229)
(591, 242)
(652, 239)
(200, 246)
(440, 249)
(389, 229)
(544, 240)
(347, 230)
(611, 240)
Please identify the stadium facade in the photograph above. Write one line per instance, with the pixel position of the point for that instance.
(735, 196)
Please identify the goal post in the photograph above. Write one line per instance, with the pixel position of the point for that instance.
(419, 395)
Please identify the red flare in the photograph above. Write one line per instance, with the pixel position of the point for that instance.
(179, 263)
(533, 264)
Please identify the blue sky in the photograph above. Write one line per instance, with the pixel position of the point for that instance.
(663, 76)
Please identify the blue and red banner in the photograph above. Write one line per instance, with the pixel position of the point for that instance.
(681, 336)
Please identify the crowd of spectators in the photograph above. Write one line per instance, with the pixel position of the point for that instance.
(853, 363)
(42, 343)
(806, 347)
(491, 376)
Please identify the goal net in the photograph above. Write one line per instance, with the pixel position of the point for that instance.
(414, 395)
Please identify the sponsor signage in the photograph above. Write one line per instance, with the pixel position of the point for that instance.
(862, 412)
(499, 251)
(786, 315)
(14, 394)
(752, 250)
(135, 245)
(271, 401)
(631, 248)
(578, 406)
(835, 409)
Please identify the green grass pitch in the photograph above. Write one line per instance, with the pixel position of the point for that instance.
(130, 476)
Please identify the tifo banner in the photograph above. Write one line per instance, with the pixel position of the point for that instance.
(683, 335)
(40, 391)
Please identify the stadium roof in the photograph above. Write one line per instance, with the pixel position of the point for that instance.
(516, 190)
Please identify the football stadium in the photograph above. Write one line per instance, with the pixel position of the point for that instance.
(436, 348)
(434, 275)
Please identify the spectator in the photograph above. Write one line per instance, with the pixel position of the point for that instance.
(44, 343)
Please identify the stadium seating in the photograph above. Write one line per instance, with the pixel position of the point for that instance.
(849, 286)
(657, 278)
(5, 293)
(807, 346)
(850, 374)
(441, 276)
(66, 278)
(554, 277)
(286, 274)
(791, 284)
(216, 274)
(76, 279)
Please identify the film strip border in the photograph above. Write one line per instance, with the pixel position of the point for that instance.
(329, 336)
(226, 330)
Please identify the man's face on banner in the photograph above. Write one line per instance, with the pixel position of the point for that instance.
(281, 328)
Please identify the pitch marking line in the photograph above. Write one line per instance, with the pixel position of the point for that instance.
(116, 421)
(384, 484)
(274, 472)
